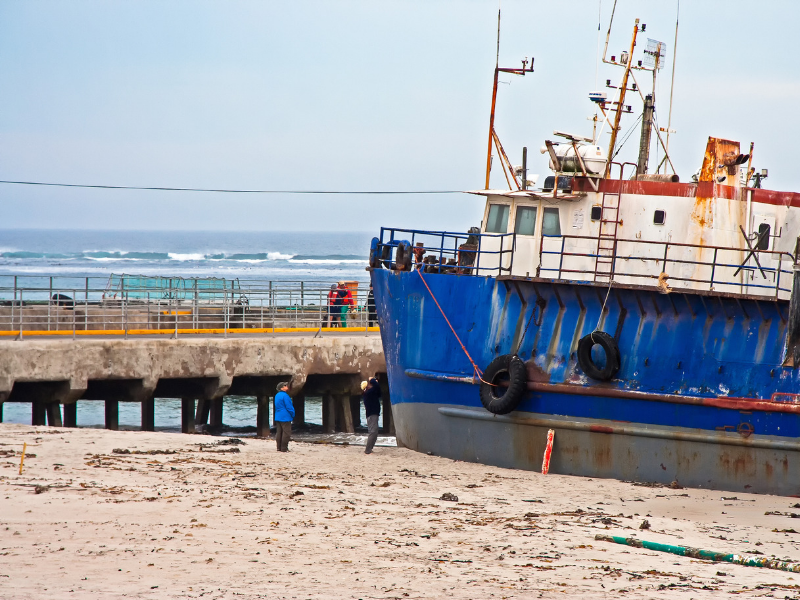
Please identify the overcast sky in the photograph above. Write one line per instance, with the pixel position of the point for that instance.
(350, 95)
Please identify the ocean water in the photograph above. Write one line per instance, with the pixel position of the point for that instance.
(69, 256)
(267, 255)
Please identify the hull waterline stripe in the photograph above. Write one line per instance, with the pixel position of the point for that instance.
(724, 438)
(606, 392)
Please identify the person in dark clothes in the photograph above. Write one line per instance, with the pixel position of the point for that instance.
(372, 407)
(372, 311)
(284, 413)
(333, 310)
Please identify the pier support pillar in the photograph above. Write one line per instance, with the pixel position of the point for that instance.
(71, 414)
(149, 414)
(262, 417)
(187, 415)
(355, 411)
(299, 403)
(38, 413)
(215, 413)
(203, 407)
(388, 421)
(344, 416)
(328, 413)
(112, 414)
(54, 414)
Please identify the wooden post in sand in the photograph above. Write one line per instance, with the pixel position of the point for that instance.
(148, 414)
(71, 414)
(38, 413)
(54, 414)
(187, 415)
(262, 417)
(328, 413)
(1, 412)
(112, 414)
(215, 414)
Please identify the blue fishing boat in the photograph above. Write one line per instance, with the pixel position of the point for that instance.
(652, 324)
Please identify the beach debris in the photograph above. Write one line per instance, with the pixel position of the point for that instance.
(448, 497)
(675, 485)
(126, 451)
(40, 489)
(782, 514)
(296, 493)
(383, 485)
(748, 561)
(645, 525)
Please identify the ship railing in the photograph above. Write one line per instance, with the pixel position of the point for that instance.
(692, 266)
(32, 305)
(445, 251)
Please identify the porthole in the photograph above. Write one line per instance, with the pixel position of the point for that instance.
(659, 217)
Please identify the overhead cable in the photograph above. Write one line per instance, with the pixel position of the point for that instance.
(227, 191)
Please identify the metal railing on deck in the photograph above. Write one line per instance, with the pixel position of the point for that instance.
(720, 268)
(141, 305)
(471, 253)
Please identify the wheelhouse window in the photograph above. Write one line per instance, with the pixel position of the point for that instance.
(551, 224)
(498, 218)
(597, 213)
(525, 222)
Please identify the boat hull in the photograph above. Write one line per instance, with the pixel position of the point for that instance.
(713, 424)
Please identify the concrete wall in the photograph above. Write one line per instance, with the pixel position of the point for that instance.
(63, 371)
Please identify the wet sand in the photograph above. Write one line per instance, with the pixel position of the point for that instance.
(169, 518)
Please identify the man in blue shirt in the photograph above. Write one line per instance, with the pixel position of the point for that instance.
(372, 408)
(284, 413)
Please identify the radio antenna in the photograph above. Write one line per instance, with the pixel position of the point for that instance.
(672, 83)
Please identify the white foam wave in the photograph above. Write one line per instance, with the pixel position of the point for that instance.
(186, 257)
(327, 261)
(279, 256)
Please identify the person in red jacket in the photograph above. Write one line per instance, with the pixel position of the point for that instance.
(344, 300)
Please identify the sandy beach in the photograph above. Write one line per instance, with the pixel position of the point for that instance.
(105, 514)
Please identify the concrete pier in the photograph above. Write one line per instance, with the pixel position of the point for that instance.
(200, 371)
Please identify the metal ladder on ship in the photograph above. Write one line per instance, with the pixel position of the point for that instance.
(607, 237)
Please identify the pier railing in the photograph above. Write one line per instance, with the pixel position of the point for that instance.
(142, 305)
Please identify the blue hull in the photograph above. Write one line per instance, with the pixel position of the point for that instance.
(692, 401)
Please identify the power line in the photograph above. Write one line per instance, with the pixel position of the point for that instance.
(227, 191)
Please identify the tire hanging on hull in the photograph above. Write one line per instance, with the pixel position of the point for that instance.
(505, 368)
(609, 346)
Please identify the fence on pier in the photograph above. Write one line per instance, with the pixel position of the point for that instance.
(144, 305)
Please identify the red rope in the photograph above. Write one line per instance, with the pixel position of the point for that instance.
(478, 372)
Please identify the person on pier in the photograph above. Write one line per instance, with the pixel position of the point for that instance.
(284, 413)
(372, 407)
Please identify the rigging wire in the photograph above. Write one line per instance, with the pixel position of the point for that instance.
(227, 191)
(627, 135)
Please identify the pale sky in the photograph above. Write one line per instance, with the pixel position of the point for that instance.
(350, 95)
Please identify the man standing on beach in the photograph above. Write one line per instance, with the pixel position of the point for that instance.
(372, 407)
(284, 413)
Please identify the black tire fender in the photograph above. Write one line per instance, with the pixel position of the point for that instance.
(499, 399)
(609, 346)
(403, 256)
(374, 253)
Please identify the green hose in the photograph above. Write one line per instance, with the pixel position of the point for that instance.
(748, 561)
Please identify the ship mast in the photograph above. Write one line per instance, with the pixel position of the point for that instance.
(492, 134)
(620, 103)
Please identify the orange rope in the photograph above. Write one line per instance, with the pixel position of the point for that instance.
(478, 372)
